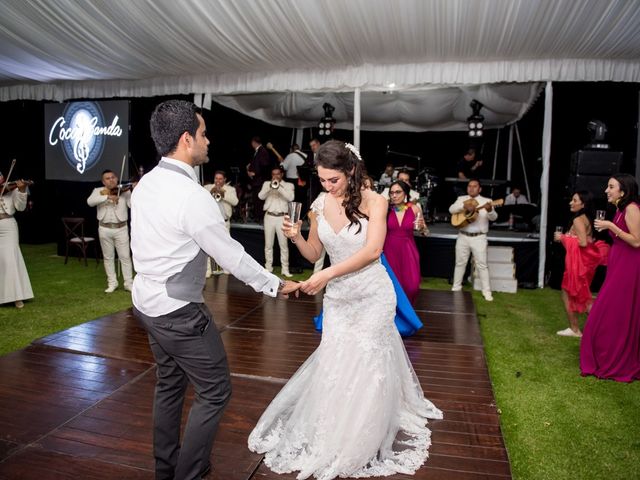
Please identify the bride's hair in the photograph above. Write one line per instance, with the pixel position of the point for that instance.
(335, 155)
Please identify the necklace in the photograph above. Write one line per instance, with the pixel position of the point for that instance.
(400, 208)
(340, 207)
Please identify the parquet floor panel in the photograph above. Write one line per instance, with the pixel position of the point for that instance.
(78, 404)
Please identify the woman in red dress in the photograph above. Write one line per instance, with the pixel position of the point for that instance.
(582, 257)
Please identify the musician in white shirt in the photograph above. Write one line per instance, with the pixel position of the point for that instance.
(516, 198)
(175, 224)
(113, 212)
(472, 239)
(276, 195)
(226, 197)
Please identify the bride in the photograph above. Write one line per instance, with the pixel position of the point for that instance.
(355, 408)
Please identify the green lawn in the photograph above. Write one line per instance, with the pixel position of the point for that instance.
(557, 425)
(65, 295)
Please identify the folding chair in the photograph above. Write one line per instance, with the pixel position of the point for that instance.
(74, 235)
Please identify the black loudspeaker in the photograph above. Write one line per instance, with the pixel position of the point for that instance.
(591, 169)
(595, 162)
(596, 184)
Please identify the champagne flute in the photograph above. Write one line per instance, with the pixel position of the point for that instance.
(417, 221)
(294, 209)
(600, 214)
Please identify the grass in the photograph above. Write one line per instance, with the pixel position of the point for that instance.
(556, 424)
(65, 295)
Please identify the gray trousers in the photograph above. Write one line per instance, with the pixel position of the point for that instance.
(188, 349)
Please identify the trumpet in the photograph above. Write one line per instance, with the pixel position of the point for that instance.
(217, 193)
(275, 184)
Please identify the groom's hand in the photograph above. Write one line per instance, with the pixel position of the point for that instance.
(290, 287)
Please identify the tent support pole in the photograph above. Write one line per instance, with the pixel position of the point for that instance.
(356, 118)
(544, 181)
(510, 158)
(495, 156)
(524, 168)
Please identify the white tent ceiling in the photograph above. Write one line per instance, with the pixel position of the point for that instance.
(430, 54)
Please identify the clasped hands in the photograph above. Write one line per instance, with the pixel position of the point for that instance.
(314, 284)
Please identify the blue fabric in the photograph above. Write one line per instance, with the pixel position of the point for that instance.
(407, 320)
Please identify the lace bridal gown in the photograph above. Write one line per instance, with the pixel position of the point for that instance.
(340, 413)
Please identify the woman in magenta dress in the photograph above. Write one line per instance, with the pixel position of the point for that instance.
(399, 245)
(581, 260)
(610, 345)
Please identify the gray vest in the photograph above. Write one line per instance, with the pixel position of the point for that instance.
(188, 284)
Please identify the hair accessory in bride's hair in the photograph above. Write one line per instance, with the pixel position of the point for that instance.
(353, 150)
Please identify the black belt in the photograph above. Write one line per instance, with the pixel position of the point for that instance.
(113, 225)
(472, 234)
(5, 215)
(278, 214)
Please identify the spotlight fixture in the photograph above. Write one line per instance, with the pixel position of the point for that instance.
(327, 124)
(475, 122)
(597, 131)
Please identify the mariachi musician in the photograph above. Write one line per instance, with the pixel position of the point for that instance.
(113, 202)
(14, 279)
(472, 235)
(226, 197)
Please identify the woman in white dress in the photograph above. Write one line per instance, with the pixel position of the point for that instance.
(14, 279)
(355, 408)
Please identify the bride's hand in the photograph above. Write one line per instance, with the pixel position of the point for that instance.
(315, 283)
(290, 286)
(288, 230)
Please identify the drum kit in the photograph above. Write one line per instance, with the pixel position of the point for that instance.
(426, 182)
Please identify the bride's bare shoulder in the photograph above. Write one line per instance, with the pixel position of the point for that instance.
(372, 200)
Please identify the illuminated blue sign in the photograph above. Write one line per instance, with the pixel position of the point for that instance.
(81, 130)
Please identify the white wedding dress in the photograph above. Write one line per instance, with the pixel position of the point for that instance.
(355, 408)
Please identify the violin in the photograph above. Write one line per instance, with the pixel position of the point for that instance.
(121, 188)
(11, 186)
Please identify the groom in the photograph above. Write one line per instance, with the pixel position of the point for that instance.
(175, 226)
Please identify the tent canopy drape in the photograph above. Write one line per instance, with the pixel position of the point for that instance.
(62, 49)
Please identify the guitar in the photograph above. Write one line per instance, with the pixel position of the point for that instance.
(464, 218)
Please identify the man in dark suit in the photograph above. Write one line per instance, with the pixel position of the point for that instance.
(259, 171)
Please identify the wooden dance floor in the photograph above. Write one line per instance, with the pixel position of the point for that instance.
(77, 405)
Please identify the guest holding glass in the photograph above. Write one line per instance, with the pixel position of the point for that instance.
(399, 245)
(581, 260)
(610, 345)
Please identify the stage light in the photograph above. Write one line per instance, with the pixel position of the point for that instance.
(327, 123)
(597, 131)
(475, 122)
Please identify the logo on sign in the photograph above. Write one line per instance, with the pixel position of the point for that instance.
(81, 130)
